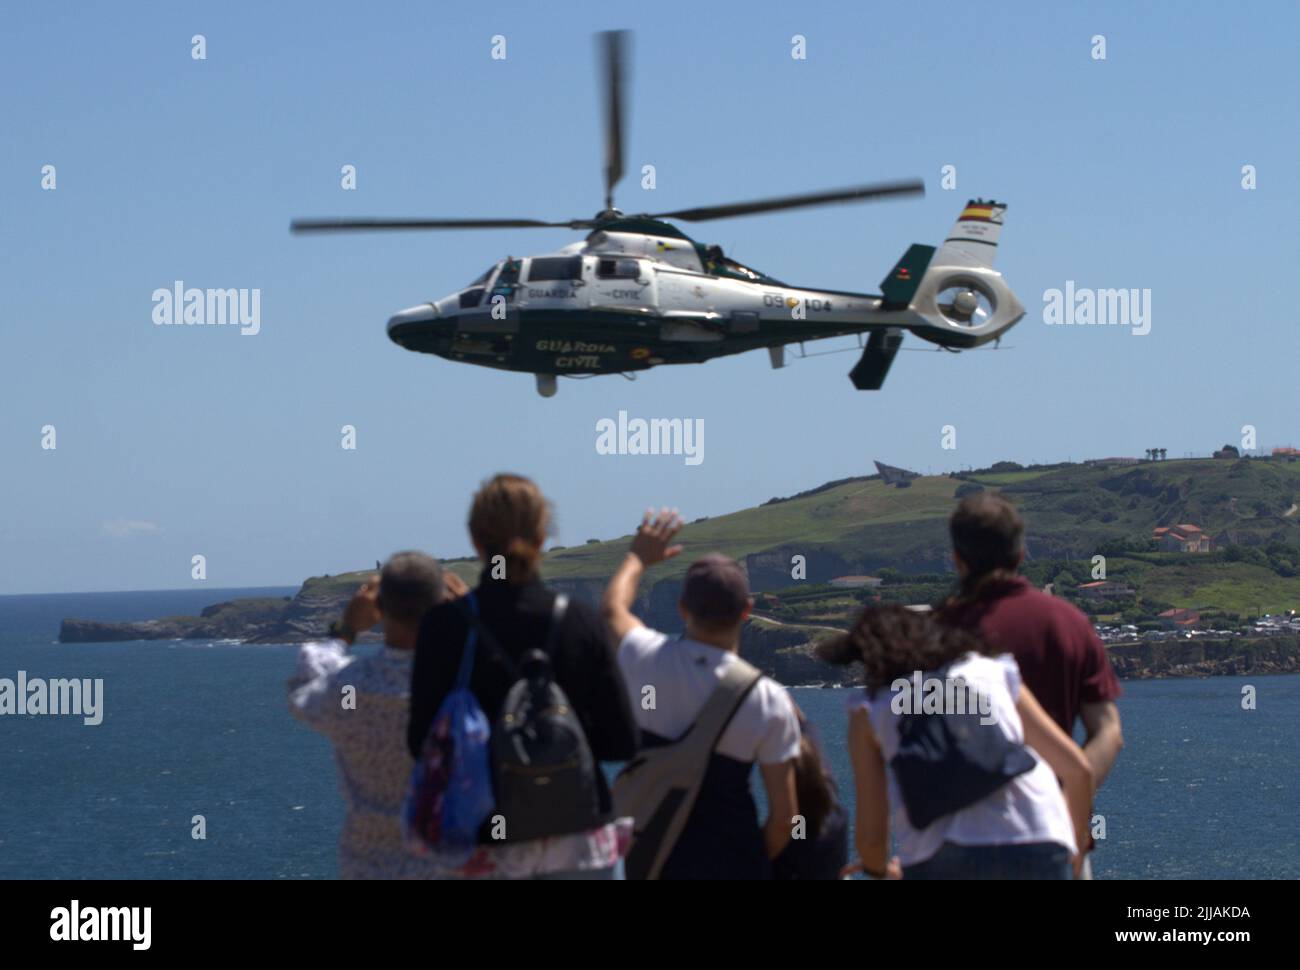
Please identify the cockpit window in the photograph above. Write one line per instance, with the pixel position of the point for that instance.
(741, 270)
(717, 264)
(555, 268)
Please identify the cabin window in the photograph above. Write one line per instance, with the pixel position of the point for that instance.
(618, 269)
(555, 268)
(472, 297)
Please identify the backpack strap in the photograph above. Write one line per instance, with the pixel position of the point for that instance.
(466, 668)
(478, 630)
(737, 681)
(558, 609)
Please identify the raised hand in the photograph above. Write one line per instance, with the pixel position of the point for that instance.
(651, 544)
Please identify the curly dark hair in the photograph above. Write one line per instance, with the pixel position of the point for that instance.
(891, 641)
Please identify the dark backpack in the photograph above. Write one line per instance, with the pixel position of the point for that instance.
(946, 762)
(543, 772)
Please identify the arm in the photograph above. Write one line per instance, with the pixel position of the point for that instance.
(1105, 738)
(650, 545)
(314, 697)
(1066, 759)
(782, 804)
(616, 605)
(871, 821)
(1098, 690)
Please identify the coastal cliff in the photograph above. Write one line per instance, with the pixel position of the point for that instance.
(781, 650)
(1206, 658)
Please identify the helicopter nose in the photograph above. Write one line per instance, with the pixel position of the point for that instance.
(412, 317)
(412, 323)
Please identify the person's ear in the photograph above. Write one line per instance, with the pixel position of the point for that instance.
(683, 613)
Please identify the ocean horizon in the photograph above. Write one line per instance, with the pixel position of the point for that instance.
(1203, 788)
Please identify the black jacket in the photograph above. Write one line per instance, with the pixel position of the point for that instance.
(519, 617)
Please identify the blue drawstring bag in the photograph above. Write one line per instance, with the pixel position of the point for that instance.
(450, 794)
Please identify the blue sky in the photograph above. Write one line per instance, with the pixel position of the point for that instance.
(181, 441)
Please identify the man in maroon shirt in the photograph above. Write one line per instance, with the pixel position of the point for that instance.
(1061, 659)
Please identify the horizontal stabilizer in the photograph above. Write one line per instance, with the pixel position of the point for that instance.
(882, 347)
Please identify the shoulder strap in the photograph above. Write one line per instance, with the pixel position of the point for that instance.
(466, 668)
(478, 630)
(737, 681)
(558, 609)
(682, 778)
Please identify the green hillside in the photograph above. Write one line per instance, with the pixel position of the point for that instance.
(1073, 512)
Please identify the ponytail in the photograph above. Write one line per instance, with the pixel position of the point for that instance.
(509, 518)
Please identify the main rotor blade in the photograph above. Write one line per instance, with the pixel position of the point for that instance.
(862, 193)
(355, 225)
(613, 46)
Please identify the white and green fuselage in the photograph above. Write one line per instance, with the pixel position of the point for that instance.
(637, 293)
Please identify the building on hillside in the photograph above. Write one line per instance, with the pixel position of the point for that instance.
(1177, 619)
(1182, 538)
(1103, 590)
(900, 477)
(857, 582)
(1290, 454)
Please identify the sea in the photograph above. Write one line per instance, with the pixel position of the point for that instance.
(1204, 787)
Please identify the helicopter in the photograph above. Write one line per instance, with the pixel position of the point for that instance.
(637, 292)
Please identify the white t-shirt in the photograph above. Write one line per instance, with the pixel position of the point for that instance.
(684, 673)
(1029, 808)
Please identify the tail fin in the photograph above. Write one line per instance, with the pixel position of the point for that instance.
(975, 234)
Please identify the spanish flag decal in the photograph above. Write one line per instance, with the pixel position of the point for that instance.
(984, 213)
